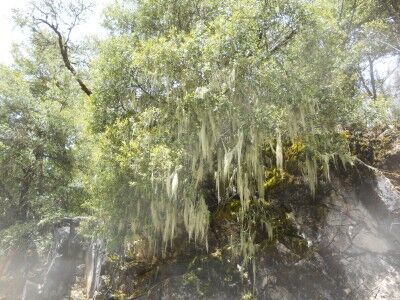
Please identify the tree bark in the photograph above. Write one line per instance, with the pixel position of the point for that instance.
(23, 196)
(372, 77)
(63, 47)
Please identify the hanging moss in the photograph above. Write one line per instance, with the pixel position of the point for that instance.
(215, 98)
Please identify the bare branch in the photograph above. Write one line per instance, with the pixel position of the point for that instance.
(372, 76)
(61, 17)
(364, 84)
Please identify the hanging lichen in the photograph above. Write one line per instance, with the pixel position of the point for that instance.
(203, 103)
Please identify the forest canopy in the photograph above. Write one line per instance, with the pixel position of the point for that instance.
(186, 106)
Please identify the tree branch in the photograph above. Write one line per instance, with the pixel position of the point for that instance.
(372, 76)
(364, 84)
(50, 17)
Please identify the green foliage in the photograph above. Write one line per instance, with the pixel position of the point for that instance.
(186, 96)
(192, 90)
(39, 140)
(274, 178)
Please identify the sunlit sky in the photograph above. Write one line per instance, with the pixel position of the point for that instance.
(10, 34)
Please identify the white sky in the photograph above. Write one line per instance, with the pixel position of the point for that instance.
(10, 34)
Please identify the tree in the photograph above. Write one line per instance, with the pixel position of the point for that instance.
(192, 92)
(39, 155)
(61, 18)
(193, 105)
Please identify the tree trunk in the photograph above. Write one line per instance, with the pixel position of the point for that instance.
(372, 77)
(23, 196)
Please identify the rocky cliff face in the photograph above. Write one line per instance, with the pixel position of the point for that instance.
(350, 251)
(353, 247)
(67, 253)
(72, 261)
(343, 244)
(346, 245)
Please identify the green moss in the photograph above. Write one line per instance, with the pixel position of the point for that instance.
(228, 211)
(234, 205)
(275, 178)
(295, 151)
(247, 296)
(113, 258)
(190, 278)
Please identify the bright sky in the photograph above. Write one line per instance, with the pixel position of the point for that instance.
(10, 34)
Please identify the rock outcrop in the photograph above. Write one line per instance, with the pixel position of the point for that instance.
(345, 245)
(72, 258)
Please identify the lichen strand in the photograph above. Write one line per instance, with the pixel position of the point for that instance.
(235, 239)
(235, 156)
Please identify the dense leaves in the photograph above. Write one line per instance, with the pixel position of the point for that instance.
(193, 106)
(192, 92)
(38, 140)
